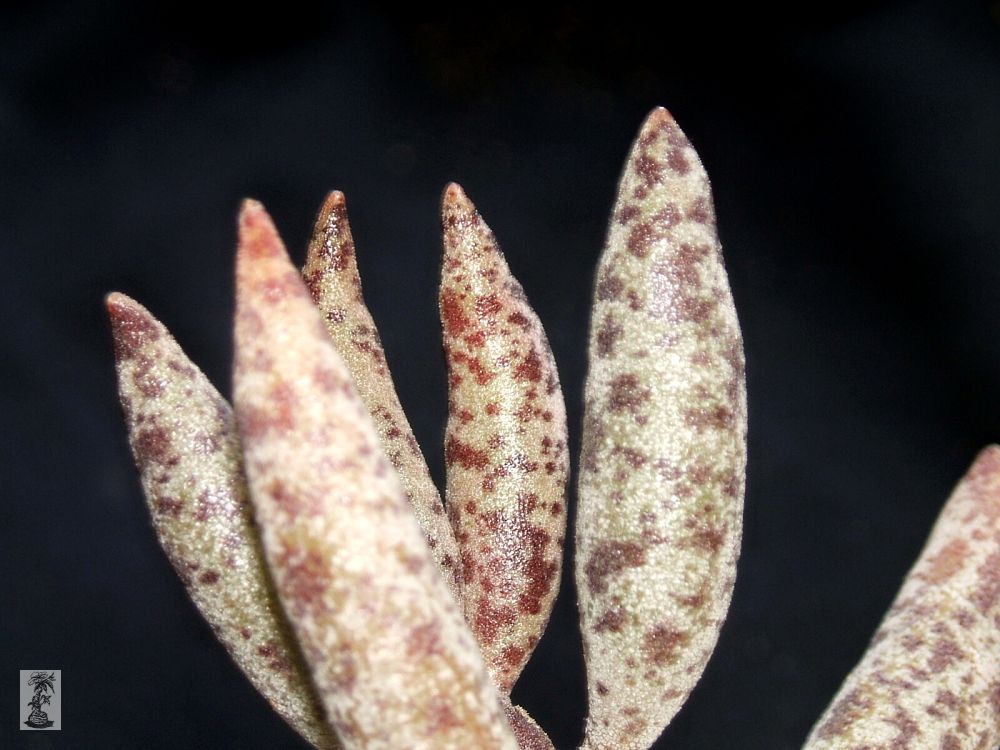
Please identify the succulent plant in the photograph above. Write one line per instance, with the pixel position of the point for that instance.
(370, 614)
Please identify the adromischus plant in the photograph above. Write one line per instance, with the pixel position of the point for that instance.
(308, 532)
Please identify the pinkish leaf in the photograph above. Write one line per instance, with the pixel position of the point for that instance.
(393, 661)
(331, 274)
(664, 446)
(184, 440)
(505, 444)
(931, 675)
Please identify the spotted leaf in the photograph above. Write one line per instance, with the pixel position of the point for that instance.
(931, 675)
(664, 446)
(390, 654)
(183, 437)
(505, 444)
(331, 274)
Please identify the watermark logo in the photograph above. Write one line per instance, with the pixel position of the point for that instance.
(41, 704)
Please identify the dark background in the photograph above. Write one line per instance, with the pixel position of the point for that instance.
(855, 157)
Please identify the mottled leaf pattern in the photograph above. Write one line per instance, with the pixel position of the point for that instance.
(931, 676)
(505, 444)
(331, 274)
(355, 566)
(392, 658)
(664, 446)
(183, 437)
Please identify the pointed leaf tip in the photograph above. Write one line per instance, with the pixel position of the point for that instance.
(453, 193)
(457, 211)
(258, 236)
(334, 199)
(664, 446)
(132, 325)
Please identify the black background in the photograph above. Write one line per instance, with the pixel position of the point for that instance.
(855, 157)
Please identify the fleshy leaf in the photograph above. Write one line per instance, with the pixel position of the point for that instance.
(664, 446)
(183, 437)
(331, 275)
(505, 444)
(931, 675)
(395, 665)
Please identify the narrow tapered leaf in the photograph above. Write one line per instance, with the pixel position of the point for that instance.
(664, 446)
(331, 275)
(931, 675)
(393, 660)
(183, 437)
(505, 444)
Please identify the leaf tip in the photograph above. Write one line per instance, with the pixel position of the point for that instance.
(132, 325)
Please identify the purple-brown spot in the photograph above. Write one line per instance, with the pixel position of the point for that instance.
(607, 336)
(612, 620)
(702, 211)
(519, 319)
(132, 329)
(627, 394)
(488, 305)
(677, 161)
(610, 559)
(489, 619)
(152, 447)
(278, 415)
(464, 455)
(530, 368)
(275, 289)
(845, 712)
(538, 572)
(947, 562)
(305, 579)
(168, 506)
(944, 654)
(528, 736)
(455, 320)
(609, 287)
(660, 645)
(641, 239)
(988, 574)
(627, 213)
(718, 417)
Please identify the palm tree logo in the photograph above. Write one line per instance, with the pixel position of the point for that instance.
(42, 683)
